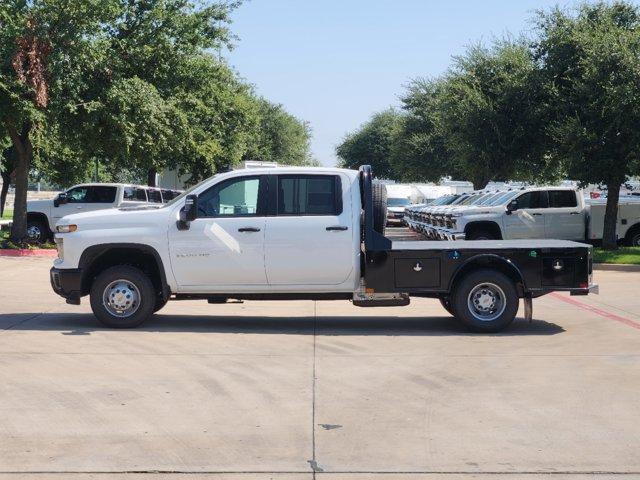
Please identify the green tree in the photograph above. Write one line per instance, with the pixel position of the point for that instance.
(45, 48)
(590, 60)
(372, 144)
(488, 112)
(420, 150)
(280, 136)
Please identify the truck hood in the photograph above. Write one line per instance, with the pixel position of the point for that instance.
(116, 218)
(39, 205)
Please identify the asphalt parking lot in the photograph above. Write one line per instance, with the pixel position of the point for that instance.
(301, 390)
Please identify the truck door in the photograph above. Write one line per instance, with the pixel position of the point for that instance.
(224, 246)
(309, 237)
(527, 221)
(565, 217)
(85, 198)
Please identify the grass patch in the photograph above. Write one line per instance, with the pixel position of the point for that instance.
(624, 255)
(7, 215)
(8, 244)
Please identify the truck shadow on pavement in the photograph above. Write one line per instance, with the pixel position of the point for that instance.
(85, 323)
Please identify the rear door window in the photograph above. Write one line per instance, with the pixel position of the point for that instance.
(135, 194)
(154, 195)
(562, 199)
(309, 195)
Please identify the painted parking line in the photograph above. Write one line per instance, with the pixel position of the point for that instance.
(597, 311)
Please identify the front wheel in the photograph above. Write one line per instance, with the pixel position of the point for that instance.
(122, 297)
(37, 231)
(485, 301)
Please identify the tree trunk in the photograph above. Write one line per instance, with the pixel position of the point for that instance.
(609, 237)
(152, 174)
(6, 181)
(24, 155)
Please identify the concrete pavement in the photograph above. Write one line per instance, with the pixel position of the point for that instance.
(297, 390)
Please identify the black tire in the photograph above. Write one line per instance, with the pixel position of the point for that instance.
(633, 238)
(446, 304)
(481, 234)
(37, 230)
(133, 276)
(505, 292)
(379, 194)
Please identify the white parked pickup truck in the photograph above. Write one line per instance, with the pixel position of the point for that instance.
(296, 233)
(544, 212)
(42, 215)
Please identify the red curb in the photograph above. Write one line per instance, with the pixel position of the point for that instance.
(40, 252)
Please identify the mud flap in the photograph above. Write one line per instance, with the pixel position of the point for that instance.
(528, 308)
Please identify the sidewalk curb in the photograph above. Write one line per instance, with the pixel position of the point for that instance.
(613, 267)
(40, 252)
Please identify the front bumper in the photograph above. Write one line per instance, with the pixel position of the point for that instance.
(67, 282)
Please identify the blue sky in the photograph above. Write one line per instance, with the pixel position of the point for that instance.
(334, 62)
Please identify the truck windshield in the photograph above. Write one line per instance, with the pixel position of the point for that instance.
(397, 202)
(503, 198)
(187, 192)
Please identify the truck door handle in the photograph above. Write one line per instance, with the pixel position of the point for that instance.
(574, 213)
(536, 214)
(337, 228)
(248, 229)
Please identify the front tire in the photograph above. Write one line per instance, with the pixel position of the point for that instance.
(122, 297)
(37, 231)
(485, 301)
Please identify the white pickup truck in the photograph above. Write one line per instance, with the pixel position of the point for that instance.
(544, 212)
(42, 215)
(296, 233)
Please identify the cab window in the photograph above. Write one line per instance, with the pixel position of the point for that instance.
(135, 194)
(92, 194)
(562, 199)
(536, 199)
(309, 195)
(237, 197)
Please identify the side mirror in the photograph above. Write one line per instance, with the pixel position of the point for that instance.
(512, 206)
(61, 199)
(189, 212)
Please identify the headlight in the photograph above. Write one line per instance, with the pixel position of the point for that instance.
(66, 228)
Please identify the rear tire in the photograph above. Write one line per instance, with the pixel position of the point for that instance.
(379, 194)
(481, 235)
(633, 238)
(485, 301)
(122, 297)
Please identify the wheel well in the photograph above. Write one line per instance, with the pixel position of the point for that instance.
(492, 227)
(491, 262)
(631, 232)
(39, 216)
(93, 263)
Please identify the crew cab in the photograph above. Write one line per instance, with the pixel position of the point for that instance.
(42, 215)
(527, 213)
(296, 233)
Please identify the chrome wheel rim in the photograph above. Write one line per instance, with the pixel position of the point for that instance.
(33, 232)
(486, 302)
(121, 298)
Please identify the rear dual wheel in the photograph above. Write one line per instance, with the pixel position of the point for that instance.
(485, 301)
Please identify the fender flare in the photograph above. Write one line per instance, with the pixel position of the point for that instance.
(489, 260)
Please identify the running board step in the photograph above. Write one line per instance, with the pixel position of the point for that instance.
(361, 299)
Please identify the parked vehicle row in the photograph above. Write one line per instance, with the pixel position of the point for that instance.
(540, 212)
(42, 215)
